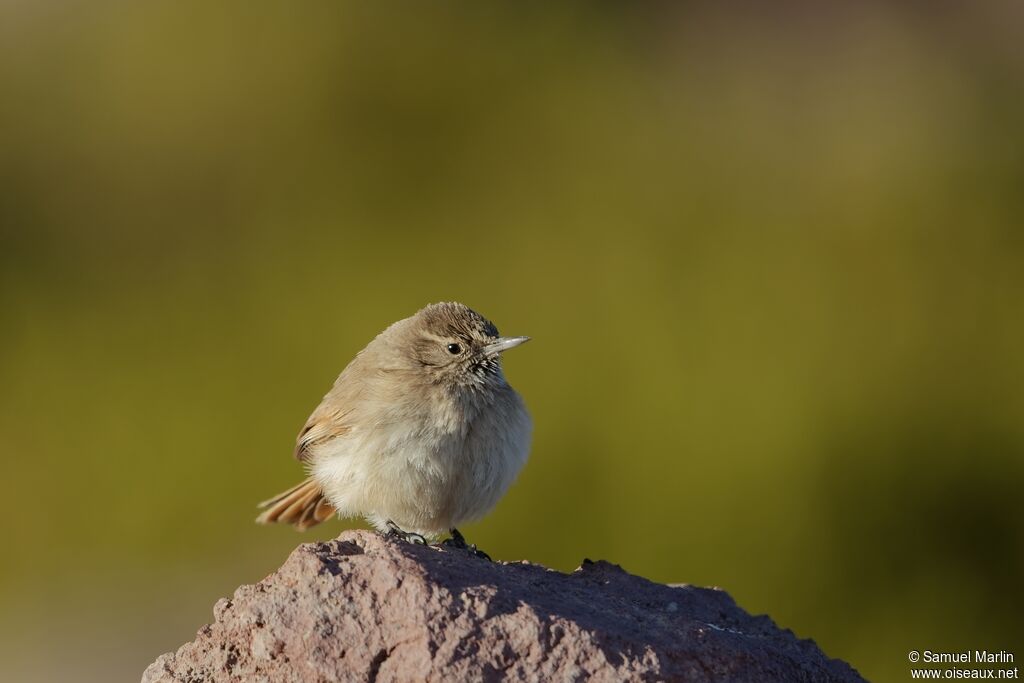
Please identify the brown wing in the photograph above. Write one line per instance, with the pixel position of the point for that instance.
(323, 425)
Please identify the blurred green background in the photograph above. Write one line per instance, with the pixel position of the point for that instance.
(772, 260)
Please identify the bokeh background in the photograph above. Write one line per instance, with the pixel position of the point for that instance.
(771, 257)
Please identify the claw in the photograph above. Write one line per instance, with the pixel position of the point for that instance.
(408, 536)
(458, 542)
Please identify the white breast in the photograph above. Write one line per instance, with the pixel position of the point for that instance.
(427, 468)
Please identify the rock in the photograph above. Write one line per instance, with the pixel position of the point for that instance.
(366, 608)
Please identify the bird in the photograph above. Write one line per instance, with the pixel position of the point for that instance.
(419, 434)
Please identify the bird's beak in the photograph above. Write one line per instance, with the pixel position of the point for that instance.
(504, 344)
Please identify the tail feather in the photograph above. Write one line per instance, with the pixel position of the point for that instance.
(302, 505)
(314, 514)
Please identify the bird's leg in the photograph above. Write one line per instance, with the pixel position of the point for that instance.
(408, 536)
(458, 541)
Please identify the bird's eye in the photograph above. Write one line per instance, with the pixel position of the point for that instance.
(454, 349)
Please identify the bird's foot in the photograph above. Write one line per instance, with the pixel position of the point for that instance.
(458, 542)
(407, 536)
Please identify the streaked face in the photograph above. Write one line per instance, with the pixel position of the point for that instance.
(457, 345)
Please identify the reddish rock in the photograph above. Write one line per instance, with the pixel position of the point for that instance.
(364, 608)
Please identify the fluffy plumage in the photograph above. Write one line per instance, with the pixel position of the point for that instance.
(421, 429)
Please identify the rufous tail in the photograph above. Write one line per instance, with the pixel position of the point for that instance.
(303, 506)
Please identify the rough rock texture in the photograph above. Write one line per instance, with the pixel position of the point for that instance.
(365, 608)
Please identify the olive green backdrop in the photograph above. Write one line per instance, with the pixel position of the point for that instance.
(772, 262)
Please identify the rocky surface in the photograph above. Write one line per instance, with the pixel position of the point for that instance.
(365, 608)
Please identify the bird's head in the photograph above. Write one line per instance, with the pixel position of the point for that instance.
(455, 345)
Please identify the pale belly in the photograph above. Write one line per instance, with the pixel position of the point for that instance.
(426, 481)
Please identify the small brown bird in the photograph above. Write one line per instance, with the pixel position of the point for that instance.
(419, 434)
